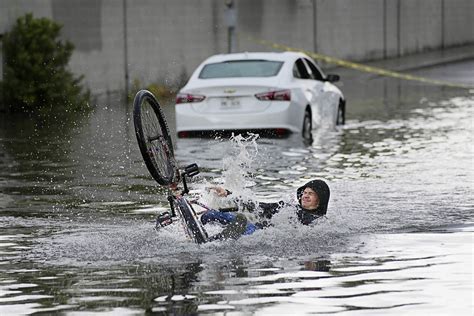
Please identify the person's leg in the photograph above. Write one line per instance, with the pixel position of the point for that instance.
(233, 229)
(223, 218)
(238, 224)
(250, 229)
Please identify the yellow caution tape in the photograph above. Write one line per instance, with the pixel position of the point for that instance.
(361, 67)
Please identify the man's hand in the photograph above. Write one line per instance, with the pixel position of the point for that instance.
(219, 191)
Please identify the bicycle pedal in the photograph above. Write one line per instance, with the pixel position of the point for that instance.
(164, 219)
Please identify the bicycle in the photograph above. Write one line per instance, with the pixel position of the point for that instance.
(156, 147)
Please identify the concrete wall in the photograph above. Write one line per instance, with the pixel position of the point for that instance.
(162, 41)
(346, 21)
(458, 22)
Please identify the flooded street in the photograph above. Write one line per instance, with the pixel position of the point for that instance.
(77, 210)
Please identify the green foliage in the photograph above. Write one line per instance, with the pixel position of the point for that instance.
(35, 74)
(159, 91)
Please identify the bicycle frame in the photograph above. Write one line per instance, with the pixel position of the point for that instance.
(178, 203)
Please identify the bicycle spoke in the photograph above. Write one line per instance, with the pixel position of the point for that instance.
(154, 144)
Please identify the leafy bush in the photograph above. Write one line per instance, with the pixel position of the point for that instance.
(35, 74)
(159, 91)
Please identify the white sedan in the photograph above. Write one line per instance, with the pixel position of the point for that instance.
(274, 93)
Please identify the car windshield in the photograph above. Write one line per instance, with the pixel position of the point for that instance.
(241, 68)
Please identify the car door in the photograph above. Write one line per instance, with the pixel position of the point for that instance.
(327, 101)
(302, 75)
(311, 88)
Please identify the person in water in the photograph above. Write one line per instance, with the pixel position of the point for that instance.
(313, 199)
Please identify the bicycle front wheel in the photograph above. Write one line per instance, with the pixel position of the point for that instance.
(153, 138)
(193, 226)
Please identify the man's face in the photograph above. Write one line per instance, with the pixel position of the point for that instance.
(309, 199)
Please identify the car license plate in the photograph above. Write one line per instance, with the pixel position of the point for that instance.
(230, 103)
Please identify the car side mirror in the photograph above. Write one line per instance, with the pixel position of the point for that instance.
(332, 78)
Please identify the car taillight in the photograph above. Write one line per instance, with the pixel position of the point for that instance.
(281, 95)
(183, 134)
(189, 98)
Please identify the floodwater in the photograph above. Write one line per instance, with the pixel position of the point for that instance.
(77, 209)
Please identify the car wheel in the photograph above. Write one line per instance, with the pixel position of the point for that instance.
(341, 113)
(307, 125)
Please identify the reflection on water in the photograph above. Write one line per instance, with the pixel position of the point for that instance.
(77, 208)
(385, 273)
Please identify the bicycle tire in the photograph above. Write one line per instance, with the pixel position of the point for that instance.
(153, 138)
(194, 228)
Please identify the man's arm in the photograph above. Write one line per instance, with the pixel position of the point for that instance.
(220, 191)
(266, 210)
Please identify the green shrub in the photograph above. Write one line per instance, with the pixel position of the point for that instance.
(159, 91)
(35, 74)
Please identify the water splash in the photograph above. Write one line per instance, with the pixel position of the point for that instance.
(238, 171)
(238, 168)
(359, 205)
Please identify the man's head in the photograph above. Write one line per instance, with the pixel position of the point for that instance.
(314, 196)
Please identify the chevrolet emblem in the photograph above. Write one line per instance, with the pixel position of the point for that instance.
(229, 90)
